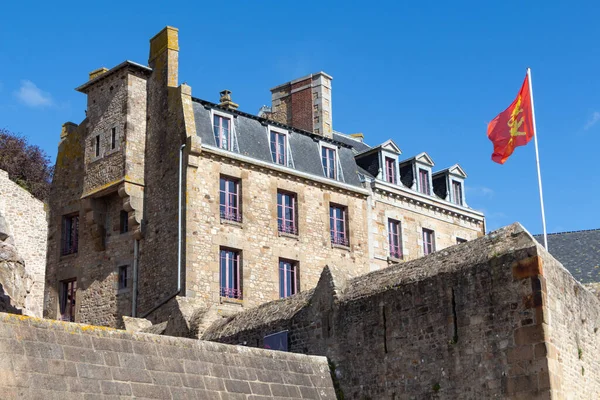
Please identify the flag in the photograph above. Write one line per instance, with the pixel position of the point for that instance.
(512, 127)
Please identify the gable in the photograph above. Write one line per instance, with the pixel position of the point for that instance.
(389, 145)
(424, 158)
(457, 171)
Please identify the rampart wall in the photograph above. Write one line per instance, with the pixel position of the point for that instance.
(46, 359)
(497, 317)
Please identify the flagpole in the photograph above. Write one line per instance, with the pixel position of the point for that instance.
(537, 159)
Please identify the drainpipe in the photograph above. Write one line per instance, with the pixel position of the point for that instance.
(179, 237)
(136, 249)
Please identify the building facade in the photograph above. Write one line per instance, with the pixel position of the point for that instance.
(159, 195)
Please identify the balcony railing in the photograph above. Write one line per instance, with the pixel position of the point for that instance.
(287, 227)
(232, 293)
(339, 238)
(231, 216)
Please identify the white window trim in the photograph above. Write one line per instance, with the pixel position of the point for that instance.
(429, 178)
(338, 168)
(462, 191)
(288, 149)
(387, 154)
(233, 145)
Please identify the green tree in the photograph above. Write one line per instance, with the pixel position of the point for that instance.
(27, 164)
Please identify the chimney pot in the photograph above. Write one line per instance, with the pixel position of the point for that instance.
(225, 100)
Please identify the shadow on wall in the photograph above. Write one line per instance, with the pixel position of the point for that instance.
(6, 303)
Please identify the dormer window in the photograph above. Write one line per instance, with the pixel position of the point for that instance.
(390, 170)
(457, 193)
(424, 181)
(329, 160)
(222, 131)
(278, 147)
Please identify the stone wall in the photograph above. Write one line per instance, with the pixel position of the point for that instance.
(257, 236)
(25, 221)
(55, 360)
(495, 317)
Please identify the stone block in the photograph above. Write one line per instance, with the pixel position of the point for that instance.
(150, 391)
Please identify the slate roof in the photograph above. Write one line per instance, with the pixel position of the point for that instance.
(253, 142)
(578, 251)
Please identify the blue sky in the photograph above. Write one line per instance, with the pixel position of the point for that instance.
(429, 75)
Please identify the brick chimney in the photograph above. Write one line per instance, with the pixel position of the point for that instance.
(304, 103)
(164, 56)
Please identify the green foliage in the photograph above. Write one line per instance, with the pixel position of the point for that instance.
(436, 387)
(27, 165)
(580, 353)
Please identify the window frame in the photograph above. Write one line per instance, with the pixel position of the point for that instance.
(284, 225)
(281, 133)
(123, 222)
(390, 176)
(113, 138)
(395, 250)
(72, 307)
(428, 246)
(428, 180)
(123, 278)
(225, 291)
(222, 115)
(326, 146)
(69, 236)
(97, 143)
(458, 200)
(293, 272)
(225, 215)
(336, 238)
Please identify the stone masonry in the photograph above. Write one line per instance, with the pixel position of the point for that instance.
(23, 225)
(41, 359)
(122, 163)
(497, 317)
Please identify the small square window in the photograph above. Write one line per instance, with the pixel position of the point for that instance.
(123, 277)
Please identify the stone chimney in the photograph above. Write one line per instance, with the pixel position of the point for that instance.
(164, 56)
(225, 100)
(304, 103)
(97, 72)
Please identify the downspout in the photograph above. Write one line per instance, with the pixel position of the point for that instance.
(136, 249)
(179, 237)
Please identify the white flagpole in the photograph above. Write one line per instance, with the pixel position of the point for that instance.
(537, 159)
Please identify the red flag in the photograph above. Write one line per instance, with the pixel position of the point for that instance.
(512, 127)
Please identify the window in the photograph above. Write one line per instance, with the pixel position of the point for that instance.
(68, 290)
(123, 221)
(460, 240)
(338, 225)
(113, 138)
(229, 200)
(457, 193)
(123, 277)
(428, 241)
(286, 213)
(288, 278)
(231, 284)
(97, 145)
(394, 237)
(222, 130)
(390, 170)
(328, 158)
(423, 181)
(70, 234)
(278, 148)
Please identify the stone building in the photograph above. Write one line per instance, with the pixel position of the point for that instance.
(23, 232)
(159, 196)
